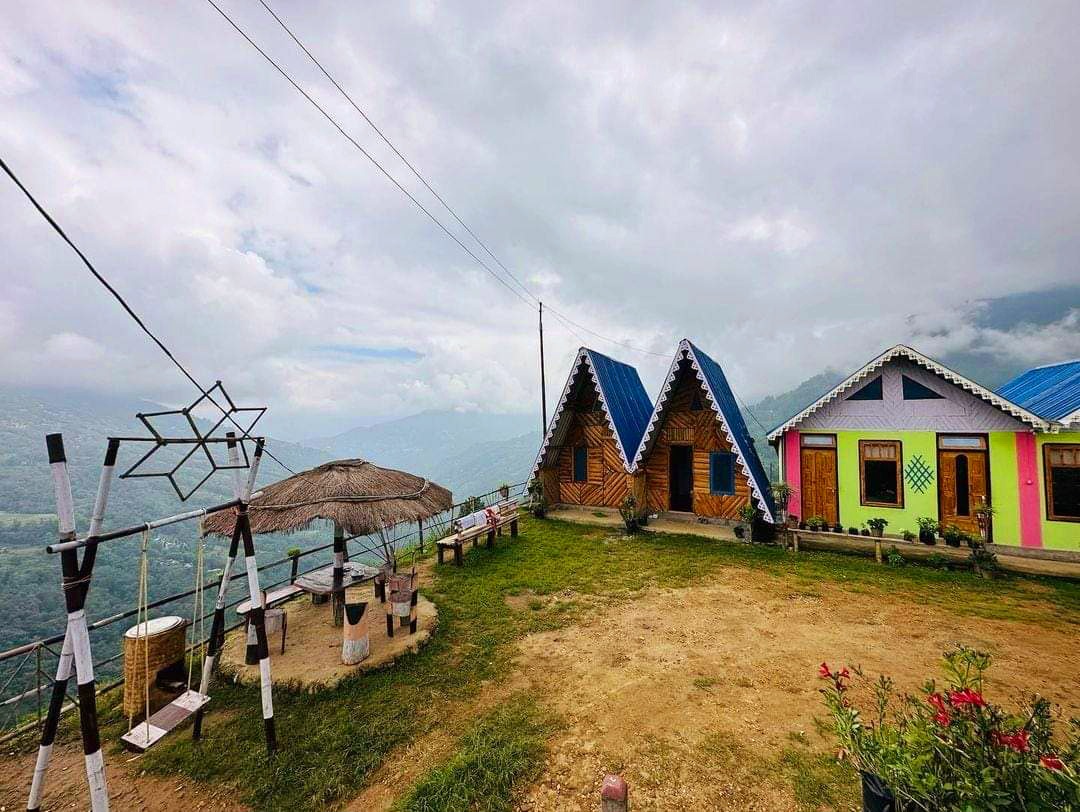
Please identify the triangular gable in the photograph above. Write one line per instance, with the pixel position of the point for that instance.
(623, 398)
(903, 351)
(722, 400)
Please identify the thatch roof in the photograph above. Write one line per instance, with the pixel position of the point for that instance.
(354, 494)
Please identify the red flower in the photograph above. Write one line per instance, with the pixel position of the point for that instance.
(824, 671)
(942, 718)
(967, 697)
(843, 674)
(938, 701)
(1017, 741)
(1052, 762)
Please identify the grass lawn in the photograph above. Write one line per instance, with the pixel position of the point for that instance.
(332, 741)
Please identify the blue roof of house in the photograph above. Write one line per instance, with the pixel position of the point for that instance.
(628, 405)
(729, 410)
(1052, 392)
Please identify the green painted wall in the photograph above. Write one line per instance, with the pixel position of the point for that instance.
(916, 504)
(1004, 492)
(1004, 488)
(1055, 535)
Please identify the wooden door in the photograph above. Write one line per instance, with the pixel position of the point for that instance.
(819, 489)
(681, 477)
(963, 483)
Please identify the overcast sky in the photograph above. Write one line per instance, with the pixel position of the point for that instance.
(792, 185)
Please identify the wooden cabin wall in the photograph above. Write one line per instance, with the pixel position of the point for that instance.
(702, 430)
(608, 483)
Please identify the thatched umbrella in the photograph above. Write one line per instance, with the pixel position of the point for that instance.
(359, 497)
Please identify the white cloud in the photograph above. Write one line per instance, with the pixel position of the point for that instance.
(783, 186)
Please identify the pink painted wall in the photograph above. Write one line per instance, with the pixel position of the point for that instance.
(1027, 471)
(793, 472)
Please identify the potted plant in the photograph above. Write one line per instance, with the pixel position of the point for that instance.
(907, 535)
(953, 535)
(928, 527)
(984, 562)
(984, 516)
(781, 493)
(877, 526)
(537, 502)
(853, 531)
(294, 554)
(740, 531)
(865, 532)
(504, 491)
(838, 528)
(630, 514)
(949, 748)
(816, 524)
(748, 515)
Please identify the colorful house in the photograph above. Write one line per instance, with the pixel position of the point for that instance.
(696, 455)
(905, 437)
(587, 453)
(691, 453)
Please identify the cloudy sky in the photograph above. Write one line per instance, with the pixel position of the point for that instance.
(793, 185)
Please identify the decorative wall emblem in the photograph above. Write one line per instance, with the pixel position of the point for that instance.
(918, 474)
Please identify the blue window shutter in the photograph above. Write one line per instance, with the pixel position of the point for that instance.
(721, 473)
(581, 464)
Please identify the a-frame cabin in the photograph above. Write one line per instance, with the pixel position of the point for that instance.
(586, 455)
(696, 455)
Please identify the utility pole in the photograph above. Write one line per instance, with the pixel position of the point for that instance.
(543, 382)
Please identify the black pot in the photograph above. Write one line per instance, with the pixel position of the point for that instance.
(740, 532)
(838, 528)
(926, 536)
(876, 797)
(953, 542)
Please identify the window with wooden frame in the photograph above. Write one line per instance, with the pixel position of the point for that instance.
(1061, 471)
(581, 463)
(881, 481)
(722, 473)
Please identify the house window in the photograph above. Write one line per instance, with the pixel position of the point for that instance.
(872, 391)
(880, 463)
(581, 463)
(819, 440)
(721, 473)
(1062, 473)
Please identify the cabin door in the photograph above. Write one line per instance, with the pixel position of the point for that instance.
(818, 478)
(681, 477)
(963, 480)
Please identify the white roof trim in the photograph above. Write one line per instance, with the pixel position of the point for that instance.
(903, 351)
(584, 354)
(688, 348)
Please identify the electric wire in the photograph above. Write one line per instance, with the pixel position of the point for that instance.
(123, 303)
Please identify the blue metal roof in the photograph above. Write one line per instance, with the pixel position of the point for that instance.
(1052, 392)
(729, 409)
(628, 405)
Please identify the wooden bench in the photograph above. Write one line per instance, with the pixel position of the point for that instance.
(489, 522)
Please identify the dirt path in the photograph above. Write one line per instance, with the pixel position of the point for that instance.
(129, 790)
(661, 689)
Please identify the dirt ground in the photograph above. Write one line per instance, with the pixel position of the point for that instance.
(685, 692)
(312, 655)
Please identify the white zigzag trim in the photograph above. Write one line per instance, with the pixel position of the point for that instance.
(901, 350)
(685, 346)
(583, 354)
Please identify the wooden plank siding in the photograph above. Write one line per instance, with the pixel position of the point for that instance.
(608, 483)
(700, 429)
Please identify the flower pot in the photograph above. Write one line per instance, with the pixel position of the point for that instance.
(926, 536)
(952, 542)
(876, 797)
(838, 528)
(877, 532)
(740, 531)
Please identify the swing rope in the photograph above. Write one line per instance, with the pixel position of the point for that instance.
(197, 613)
(143, 619)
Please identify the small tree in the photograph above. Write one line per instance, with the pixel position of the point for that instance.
(537, 501)
(781, 493)
(630, 513)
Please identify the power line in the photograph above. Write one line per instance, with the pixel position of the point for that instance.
(366, 154)
(396, 151)
(568, 323)
(135, 316)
